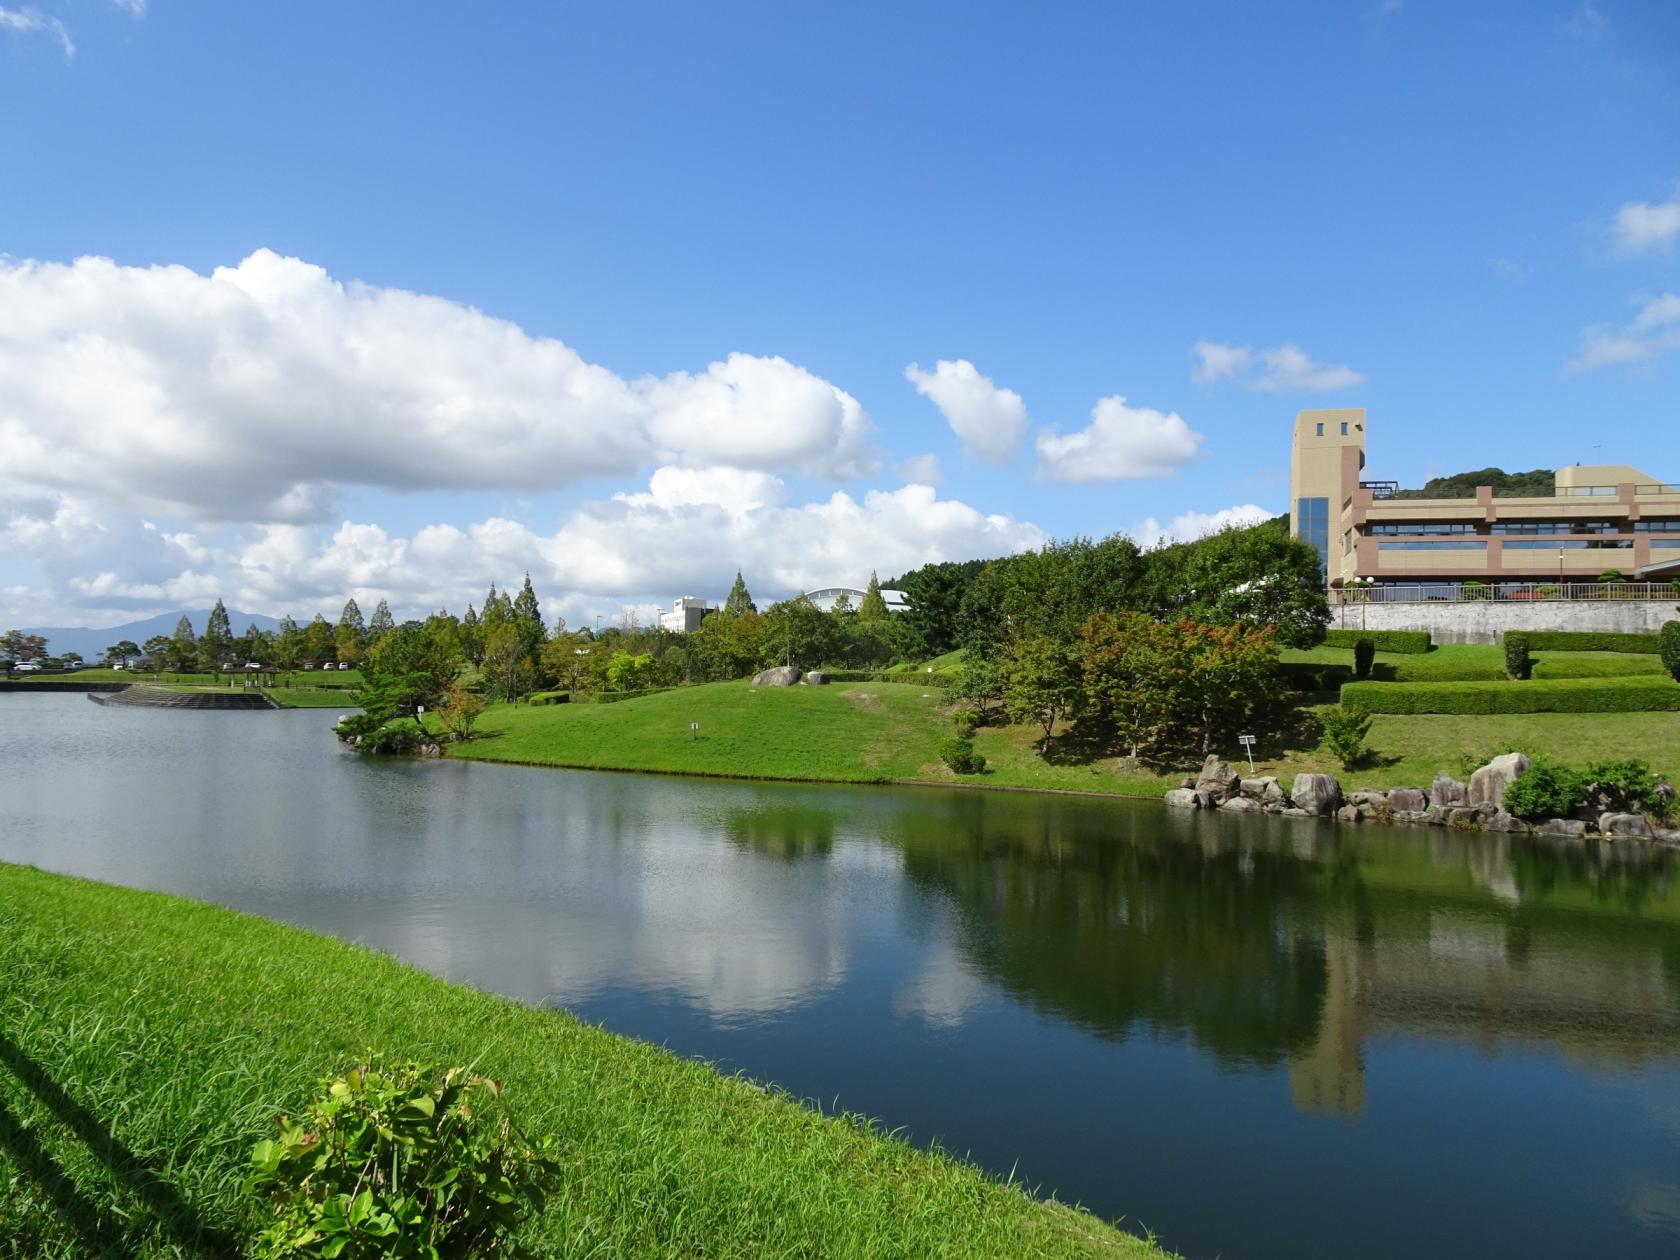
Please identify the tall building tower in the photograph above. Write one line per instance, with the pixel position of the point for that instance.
(1325, 459)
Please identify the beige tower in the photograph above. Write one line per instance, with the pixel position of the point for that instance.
(1325, 458)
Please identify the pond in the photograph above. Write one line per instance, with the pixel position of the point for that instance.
(1258, 1037)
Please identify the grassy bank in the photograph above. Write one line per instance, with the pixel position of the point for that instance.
(146, 1042)
(1480, 662)
(876, 732)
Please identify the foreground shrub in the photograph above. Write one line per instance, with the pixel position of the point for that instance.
(1669, 648)
(1638, 693)
(1411, 642)
(1591, 641)
(1364, 654)
(1519, 662)
(358, 724)
(1545, 790)
(966, 721)
(1345, 729)
(959, 754)
(393, 739)
(1622, 786)
(396, 1160)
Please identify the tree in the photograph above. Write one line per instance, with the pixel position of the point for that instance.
(1256, 576)
(288, 643)
(183, 646)
(1126, 688)
(257, 645)
(796, 633)
(351, 618)
(935, 593)
(407, 669)
(218, 635)
(381, 621)
(1668, 648)
(318, 643)
(1228, 674)
(725, 647)
(1040, 683)
(121, 652)
(873, 607)
(1345, 728)
(506, 667)
(158, 649)
(15, 645)
(472, 641)
(630, 673)
(738, 600)
(981, 682)
(460, 712)
(527, 620)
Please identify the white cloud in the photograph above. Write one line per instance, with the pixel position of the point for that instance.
(1120, 444)
(991, 421)
(923, 470)
(1281, 369)
(33, 21)
(1653, 332)
(1641, 227)
(1193, 525)
(134, 8)
(254, 393)
(1588, 22)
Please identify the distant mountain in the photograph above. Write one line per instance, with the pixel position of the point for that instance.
(92, 643)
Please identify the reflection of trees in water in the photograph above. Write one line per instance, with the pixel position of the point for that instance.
(783, 831)
(1222, 943)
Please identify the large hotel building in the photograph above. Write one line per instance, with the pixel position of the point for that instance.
(1599, 518)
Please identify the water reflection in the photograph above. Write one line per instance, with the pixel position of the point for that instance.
(1243, 1032)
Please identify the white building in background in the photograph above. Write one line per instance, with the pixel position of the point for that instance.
(828, 596)
(686, 614)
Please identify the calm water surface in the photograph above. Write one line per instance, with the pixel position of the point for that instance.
(1258, 1037)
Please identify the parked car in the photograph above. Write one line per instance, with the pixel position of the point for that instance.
(27, 667)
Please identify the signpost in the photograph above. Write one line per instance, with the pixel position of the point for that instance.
(693, 731)
(1247, 741)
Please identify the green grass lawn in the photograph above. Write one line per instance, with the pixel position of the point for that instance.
(875, 732)
(146, 1042)
(1481, 662)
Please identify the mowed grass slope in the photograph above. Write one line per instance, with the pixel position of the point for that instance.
(147, 1041)
(1481, 662)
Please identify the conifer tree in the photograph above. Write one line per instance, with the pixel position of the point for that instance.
(528, 622)
(472, 641)
(738, 601)
(218, 634)
(873, 607)
(183, 648)
(382, 620)
(351, 617)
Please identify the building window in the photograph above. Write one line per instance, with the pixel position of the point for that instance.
(1567, 544)
(1554, 527)
(1344, 428)
(1466, 544)
(1657, 527)
(1312, 523)
(1422, 529)
(1321, 428)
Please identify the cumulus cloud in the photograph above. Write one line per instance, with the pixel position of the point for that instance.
(1192, 525)
(1279, 370)
(991, 421)
(255, 392)
(1653, 332)
(1641, 227)
(685, 533)
(1120, 444)
(32, 21)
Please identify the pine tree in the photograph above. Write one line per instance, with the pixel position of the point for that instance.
(183, 648)
(472, 641)
(381, 620)
(218, 634)
(739, 601)
(351, 617)
(527, 620)
(873, 607)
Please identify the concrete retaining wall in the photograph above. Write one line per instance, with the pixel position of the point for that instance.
(1477, 621)
(157, 698)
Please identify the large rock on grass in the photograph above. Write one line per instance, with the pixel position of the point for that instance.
(816, 678)
(780, 676)
(1446, 793)
(1217, 779)
(1241, 805)
(1316, 793)
(1408, 800)
(1487, 785)
(1182, 798)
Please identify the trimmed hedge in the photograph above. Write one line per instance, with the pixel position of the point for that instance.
(1590, 641)
(1639, 693)
(1314, 676)
(613, 697)
(549, 697)
(938, 678)
(1410, 642)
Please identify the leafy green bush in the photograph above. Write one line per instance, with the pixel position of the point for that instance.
(1640, 693)
(392, 739)
(1545, 790)
(1313, 676)
(1591, 641)
(959, 754)
(941, 678)
(1364, 653)
(358, 724)
(549, 697)
(1669, 648)
(1411, 642)
(1519, 662)
(1612, 575)
(1474, 590)
(1345, 729)
(966, 721)
(398, 1160)
(1622, 785)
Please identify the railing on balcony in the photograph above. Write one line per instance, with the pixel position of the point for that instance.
(1502, 593)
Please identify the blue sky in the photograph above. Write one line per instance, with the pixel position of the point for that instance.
(1465, 218)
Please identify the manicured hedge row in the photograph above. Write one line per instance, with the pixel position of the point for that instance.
(938, 678)
(548, 697)
(1640, 693)
(1314, 676)
(613, 697)
(1590, 641)
(1408, 641)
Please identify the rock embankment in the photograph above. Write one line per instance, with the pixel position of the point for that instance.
(158, 698)
(1478, 804)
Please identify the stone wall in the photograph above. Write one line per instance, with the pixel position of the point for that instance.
(1482, 621)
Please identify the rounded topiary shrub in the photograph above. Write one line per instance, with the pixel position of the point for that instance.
(1519, 661)
(959, 754)
(1364, 653)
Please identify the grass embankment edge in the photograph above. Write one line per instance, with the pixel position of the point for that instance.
(147, 1040)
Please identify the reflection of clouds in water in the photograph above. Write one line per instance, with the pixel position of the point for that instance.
(1656, 1205)
(944, 992)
